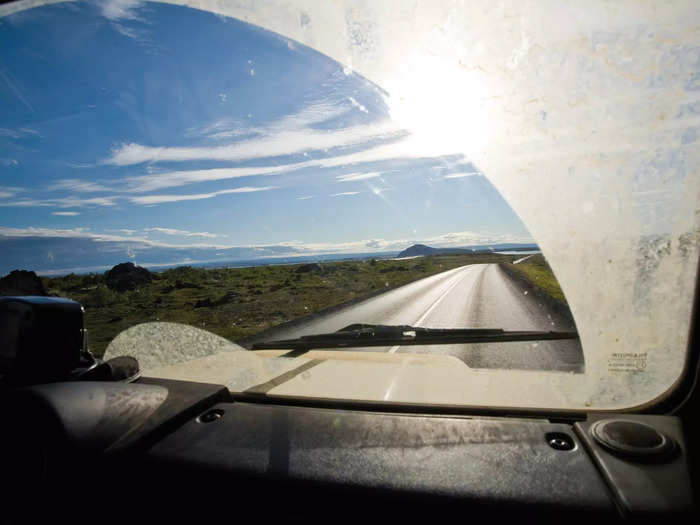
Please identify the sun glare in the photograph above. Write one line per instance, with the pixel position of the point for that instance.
(442, 104)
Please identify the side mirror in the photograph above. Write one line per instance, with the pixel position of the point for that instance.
(42, 340)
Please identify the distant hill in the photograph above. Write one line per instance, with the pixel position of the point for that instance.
(422, 249)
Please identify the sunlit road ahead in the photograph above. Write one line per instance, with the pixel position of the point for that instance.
(479, 295)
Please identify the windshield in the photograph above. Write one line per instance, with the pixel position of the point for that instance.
(268, 172)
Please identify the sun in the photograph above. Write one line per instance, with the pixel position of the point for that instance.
(442, 104)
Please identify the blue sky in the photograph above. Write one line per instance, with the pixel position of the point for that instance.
(148, 132)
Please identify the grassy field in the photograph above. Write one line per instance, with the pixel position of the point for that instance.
(240, 302)
(538, 273)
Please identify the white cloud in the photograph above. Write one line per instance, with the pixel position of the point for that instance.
(124, 231)
(356, 104)
(120, 9)
(85, 233)
(344, 193)
(357, 176)
(129, 32)
(31, 231)
(77, 185)
(222, 128)
(9, 191)
(461, 175)
(184, 233)
(159, 199)
(283, 143)
(19, 133)
(306, 117)
(66, 213)
(288, 135)
(305, 197)
(65, 202)
(9, 162)
(158, 181)
(402, 149)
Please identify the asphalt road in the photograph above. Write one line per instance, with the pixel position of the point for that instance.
(478, 296)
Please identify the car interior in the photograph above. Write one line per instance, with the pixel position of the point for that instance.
(84, 440)
(301, 428)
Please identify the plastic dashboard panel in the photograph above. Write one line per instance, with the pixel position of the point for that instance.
(476, 462)
(180, 450)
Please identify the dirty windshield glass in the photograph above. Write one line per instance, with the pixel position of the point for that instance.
(236, 173)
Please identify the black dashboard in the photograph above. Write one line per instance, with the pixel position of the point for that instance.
(162, 449)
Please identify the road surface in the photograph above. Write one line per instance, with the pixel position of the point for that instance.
(478, 296)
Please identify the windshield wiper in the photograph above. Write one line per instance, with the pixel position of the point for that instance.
(361, 335)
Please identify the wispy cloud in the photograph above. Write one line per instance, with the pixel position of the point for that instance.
(302, 138)
(124, 18)
(172, 179)
(224, 128)
(8, 191)
(183, 233)
(65, 202)
(18, 133)
(32, 231)
(6, 78)
(356, 104)
(125, 231)
(344, 193)
(462, 175)
(160, 199)
(79, 186)
(79, 165)
(401, 149)
(292, 134)
(305, 197)
(279, 144)
(65, 213)
(357, 176)
(120, 9)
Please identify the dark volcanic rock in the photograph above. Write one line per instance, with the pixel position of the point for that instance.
(311, 267)
(228, 297)
(21, 282)
(203, 303)
(179, 285)
(224, 299)
(394, 269)
(127, 276)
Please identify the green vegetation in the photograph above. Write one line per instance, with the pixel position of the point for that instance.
(537, 272)
(240, 302)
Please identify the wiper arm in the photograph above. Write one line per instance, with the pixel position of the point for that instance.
(361, 335)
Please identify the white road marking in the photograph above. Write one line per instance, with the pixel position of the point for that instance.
(524, 259)
(432, 307)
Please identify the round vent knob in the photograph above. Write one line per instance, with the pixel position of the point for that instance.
(633, 440)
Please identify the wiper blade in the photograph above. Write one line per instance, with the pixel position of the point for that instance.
(362, 335)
